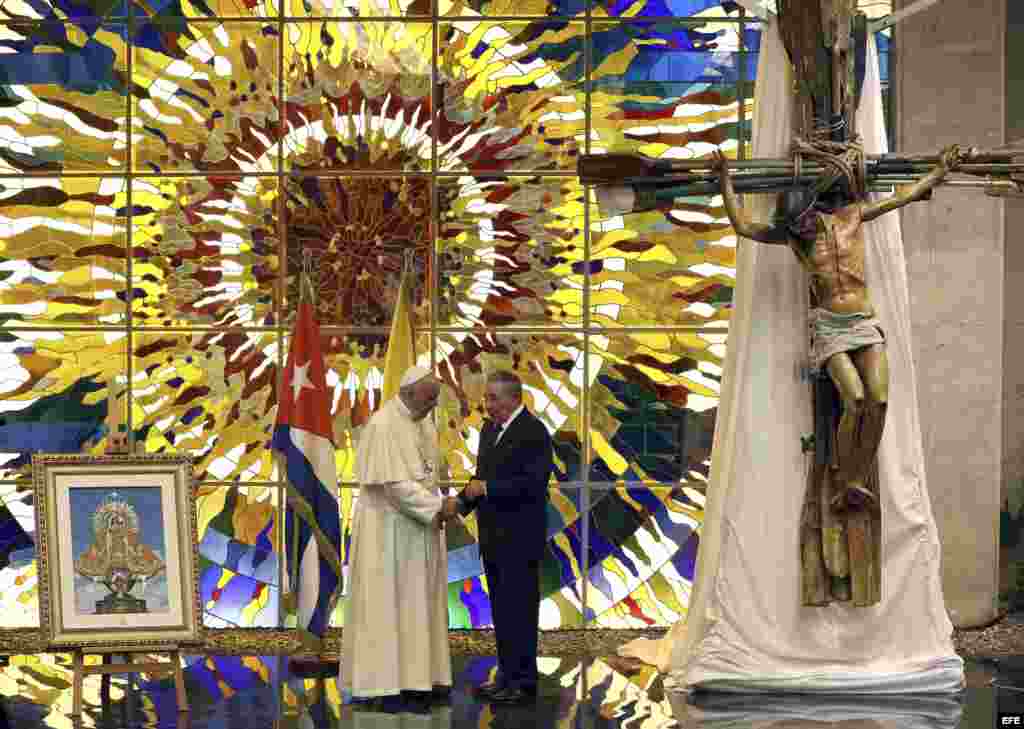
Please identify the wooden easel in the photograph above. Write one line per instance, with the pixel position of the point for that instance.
(118, 443)
(129, 666)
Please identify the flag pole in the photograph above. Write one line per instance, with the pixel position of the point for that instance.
(306, 295)
(408, 266)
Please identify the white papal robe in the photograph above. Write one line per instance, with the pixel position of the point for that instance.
(396, 624)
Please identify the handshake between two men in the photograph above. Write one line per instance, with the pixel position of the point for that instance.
(452, 506)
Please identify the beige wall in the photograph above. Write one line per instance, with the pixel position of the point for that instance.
(1013, 321)
(950, 87)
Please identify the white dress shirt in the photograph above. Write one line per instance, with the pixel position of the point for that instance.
(513, 416)
(504, 427)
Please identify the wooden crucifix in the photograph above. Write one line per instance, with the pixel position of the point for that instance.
(823, 204)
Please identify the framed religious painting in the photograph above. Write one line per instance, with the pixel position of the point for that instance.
(118, 561)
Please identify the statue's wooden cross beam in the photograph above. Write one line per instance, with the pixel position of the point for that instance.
(826, 41)
(902, 14)
(652, 183)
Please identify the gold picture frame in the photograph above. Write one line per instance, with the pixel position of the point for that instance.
(116, 539)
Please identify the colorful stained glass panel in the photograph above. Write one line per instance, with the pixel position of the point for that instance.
(665, 89)
(551, 367)
(642, 554)
(358, 96)
(510, 8)
(670, 8)
(355, 232)
(211, 395)
(19, 597)
(239, 580)
(510, 96)
(652, 405)
(357, 9)
(561, 572)
(63, 101)
(672, 267)
(205, 98)
(54, 393)
(206, 251)
(510, 252)
(62, 251)
(605, 8)
(171, 12)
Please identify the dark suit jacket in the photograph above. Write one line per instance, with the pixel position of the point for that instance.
(512, 517)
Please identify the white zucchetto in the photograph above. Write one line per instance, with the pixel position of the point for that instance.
(413, 374)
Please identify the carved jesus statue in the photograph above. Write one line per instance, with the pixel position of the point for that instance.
(824, 227)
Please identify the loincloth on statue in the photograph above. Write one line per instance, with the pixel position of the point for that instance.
(833, 333)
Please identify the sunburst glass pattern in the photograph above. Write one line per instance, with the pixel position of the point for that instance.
(167, 168)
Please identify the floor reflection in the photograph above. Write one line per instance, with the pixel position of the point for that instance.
(253, 692)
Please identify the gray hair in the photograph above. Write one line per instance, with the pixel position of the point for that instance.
(410, 390)
(510, 383)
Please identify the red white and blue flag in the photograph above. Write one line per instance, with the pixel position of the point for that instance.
(303, 436)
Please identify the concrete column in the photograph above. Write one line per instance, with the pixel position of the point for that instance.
(950, 88)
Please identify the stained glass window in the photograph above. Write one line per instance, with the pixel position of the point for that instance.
(168, 168)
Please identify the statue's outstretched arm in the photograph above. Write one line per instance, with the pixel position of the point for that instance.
(745, 227)
(951, 157)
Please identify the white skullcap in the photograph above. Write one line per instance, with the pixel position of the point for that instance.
(413, 374)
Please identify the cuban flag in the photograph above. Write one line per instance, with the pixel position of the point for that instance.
(303, 437)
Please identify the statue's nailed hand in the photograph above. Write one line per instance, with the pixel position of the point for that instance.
(953, 156)
(719, 162)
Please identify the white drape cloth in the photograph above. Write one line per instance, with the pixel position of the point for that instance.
(790, 711)
(746, 629)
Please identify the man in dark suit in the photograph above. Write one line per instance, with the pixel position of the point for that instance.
(510, 496)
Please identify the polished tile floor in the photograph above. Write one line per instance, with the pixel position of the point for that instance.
(256, 692)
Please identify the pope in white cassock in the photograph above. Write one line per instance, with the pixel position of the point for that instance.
(395, 640)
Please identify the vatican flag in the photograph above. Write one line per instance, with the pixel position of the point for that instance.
(401, 344)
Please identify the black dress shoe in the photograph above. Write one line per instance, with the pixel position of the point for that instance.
(417, 702)
(391, 704)
(305, 668)
(509, 695)
(486, 689)
(441, 695)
